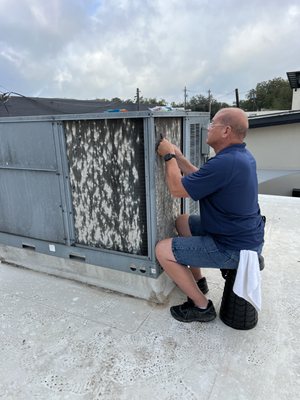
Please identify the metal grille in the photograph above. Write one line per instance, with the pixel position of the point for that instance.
(195, 140)
(167, 207)
(107, 175)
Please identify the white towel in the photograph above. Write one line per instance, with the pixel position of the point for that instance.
(247, 282)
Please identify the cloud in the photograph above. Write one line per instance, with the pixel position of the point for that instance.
(10, 55)
(262, 47)
(108, 48)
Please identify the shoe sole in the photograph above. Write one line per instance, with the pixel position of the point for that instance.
(208, 318)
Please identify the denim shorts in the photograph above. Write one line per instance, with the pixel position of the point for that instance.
(201, 251)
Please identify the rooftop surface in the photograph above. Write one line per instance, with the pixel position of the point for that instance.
(61, 339)
(12, 106)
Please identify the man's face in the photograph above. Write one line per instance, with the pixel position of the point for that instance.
(215, 130)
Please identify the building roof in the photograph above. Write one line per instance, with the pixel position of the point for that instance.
(294, 79)
(63, 339)
(14, 106)
(280, 118)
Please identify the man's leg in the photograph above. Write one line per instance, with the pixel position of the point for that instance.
(180, 274)
(182, 225)
(183, 229)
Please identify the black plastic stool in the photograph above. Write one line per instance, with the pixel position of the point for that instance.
(235, 311)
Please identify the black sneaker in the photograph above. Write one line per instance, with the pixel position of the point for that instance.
(188, 312)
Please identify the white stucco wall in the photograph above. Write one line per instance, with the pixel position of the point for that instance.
(277, 148)
(296, 100)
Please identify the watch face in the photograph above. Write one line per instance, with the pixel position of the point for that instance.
(169, 156)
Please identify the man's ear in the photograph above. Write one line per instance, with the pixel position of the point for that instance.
(226, 131)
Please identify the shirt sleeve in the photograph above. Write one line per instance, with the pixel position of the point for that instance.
(212, 176)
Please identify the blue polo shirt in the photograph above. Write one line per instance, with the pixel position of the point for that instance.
(227, 189)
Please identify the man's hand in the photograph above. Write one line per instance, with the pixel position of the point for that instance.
(165, 147)
(177, 151)
(173, 175)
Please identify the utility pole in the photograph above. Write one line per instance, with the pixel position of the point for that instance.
(253, 99)
(209, 102)
(138, 98)
(237, 100)
(185, 97)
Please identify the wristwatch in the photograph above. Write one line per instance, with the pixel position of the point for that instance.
(169, 156)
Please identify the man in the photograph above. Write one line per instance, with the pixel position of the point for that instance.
(229, 220)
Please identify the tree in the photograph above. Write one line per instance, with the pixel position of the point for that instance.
(116, 100)
(174, 104)
(198, 103)
(275, 94)
(201, 103)
(152, 101)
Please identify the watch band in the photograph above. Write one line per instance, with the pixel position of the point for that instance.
(169, 156)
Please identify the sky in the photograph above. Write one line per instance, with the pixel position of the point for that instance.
(88, 49)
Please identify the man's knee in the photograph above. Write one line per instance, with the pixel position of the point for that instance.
(182, 225)
(163, 250)
(160, 248)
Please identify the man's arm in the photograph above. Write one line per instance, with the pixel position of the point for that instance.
(183, 163)
(173, 174)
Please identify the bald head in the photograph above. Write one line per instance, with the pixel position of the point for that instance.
(236, 118)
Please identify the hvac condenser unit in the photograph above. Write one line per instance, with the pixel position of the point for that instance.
(91, 187)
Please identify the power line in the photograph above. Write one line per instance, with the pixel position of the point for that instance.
(4, 98)
(219, 96)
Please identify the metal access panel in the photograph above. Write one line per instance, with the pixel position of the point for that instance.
(107, 176)
(30, 194)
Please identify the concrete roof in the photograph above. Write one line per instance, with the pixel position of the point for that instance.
(64, 340)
